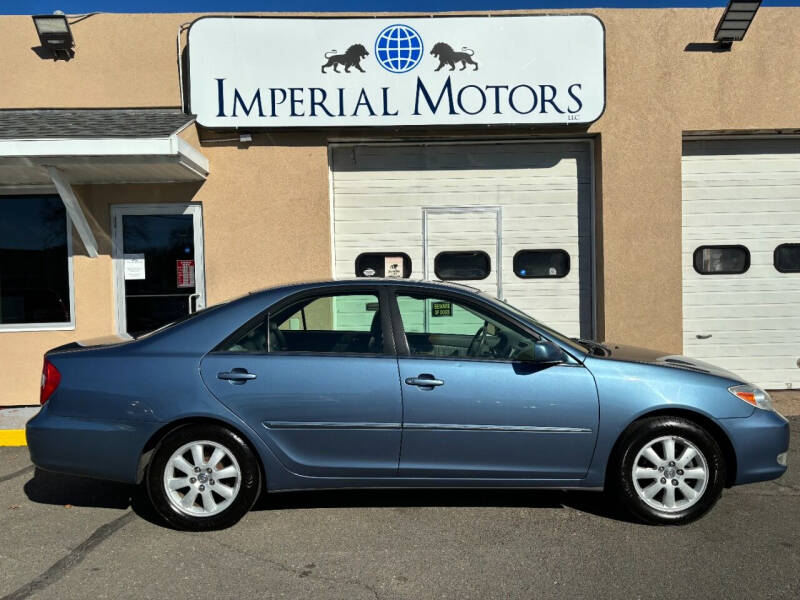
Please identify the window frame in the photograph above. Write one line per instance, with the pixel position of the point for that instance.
(775, 258)
(265, 315)
(483, 252)
(401, 341)
(723, 247)
(541, 250)
(53, 326)
(405, 256)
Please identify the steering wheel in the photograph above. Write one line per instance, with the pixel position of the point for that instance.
(478, 340)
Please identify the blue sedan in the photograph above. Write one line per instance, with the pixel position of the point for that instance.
(373, 383)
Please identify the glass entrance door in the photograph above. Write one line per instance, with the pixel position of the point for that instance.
(158, 262)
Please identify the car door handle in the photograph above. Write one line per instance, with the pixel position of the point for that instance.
(425, 381)
(236, 376)
(701, 336)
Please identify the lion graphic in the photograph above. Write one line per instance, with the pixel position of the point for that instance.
(351, 58)
(448, 56)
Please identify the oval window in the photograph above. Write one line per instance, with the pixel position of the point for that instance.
(383, 264)
(462, 266)
(787, 258)
(721, 260)
(541, 264)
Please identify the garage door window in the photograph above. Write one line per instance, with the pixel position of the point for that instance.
(462, 266)
(35, 264)
(383, 264)
(541, 264)
(787, 258)
(721, 260)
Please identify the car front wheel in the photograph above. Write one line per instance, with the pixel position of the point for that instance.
(671, 471)
(203, 477)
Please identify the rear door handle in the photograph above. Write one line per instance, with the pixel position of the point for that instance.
(425, 381)
(701, 336)
(236, 376)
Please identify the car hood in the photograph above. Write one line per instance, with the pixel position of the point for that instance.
(620, 352)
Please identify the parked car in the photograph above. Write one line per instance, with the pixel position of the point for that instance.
(395, 383)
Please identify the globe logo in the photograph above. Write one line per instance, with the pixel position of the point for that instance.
(398, 48)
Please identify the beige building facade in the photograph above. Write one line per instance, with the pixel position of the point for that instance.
(675, 105)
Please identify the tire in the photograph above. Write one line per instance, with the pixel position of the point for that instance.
(189, 491)
(668, 489)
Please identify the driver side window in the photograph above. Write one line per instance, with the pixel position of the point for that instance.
(444, 328)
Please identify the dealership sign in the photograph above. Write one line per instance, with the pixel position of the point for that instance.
(288, 72)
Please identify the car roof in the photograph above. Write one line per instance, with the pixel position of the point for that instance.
(369, 281)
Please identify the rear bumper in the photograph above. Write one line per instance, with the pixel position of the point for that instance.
(86, 447)
(758, 440)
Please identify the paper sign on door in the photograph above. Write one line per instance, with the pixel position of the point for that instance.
(393, 266)
(185, 269)
(134, 266)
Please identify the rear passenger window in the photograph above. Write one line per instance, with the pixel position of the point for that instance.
(536, 264)
(330, 324)
(787, 258)
(383, 264)
(721, 260)
(462, 266)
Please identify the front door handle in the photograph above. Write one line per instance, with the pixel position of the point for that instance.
(236, 376)
(701, 336)
(426, 381)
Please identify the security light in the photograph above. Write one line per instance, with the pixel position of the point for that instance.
(735, 21)
(55, 35)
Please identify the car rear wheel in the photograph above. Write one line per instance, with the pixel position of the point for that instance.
(203, 477)
(671, 470)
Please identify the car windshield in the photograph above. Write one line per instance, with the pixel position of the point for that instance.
(575, 345)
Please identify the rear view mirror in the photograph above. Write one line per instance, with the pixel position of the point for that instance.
(543, 352)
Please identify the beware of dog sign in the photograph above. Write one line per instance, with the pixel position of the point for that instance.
(306, 72)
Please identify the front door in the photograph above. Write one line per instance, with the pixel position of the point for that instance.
(485, 413)
(158, 261)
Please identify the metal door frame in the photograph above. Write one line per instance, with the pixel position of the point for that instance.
(117, 212)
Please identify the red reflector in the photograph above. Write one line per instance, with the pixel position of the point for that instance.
(50, 380)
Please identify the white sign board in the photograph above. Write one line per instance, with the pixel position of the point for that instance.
(311, 72)
(134, 266)
(393, 266)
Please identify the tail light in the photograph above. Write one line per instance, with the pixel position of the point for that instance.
(50, 380)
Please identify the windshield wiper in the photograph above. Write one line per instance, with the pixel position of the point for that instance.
(595, 348)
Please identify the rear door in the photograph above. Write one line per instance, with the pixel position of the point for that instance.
(317, 379)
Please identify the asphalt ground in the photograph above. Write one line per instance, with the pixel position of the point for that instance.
(64, 537)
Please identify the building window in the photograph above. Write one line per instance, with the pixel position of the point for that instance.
(462, 266)
(541, 264)
(786, 258)
(721, 260)
(35, 264)
(383, 264)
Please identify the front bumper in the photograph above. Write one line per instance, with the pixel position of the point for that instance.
(758, 441)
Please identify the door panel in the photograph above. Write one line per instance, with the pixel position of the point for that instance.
(321, 415)
(497, 419)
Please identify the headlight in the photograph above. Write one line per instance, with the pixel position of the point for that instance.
(752, 395)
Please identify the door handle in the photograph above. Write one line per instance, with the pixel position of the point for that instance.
(424, 381)
(236, 376)
(701, 336)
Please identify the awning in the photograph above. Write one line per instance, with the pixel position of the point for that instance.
(62, 148)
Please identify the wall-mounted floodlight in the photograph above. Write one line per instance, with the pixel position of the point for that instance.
(55, 35)
(735, 21)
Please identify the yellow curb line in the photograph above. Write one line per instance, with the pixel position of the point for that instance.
(12, 437)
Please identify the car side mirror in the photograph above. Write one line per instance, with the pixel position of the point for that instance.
(543, 352)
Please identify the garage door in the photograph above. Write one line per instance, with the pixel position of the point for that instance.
(476, 206)
(741, 242)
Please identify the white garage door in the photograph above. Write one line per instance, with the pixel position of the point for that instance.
(745, 194)
(492, 198)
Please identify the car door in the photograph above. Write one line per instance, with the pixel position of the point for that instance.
(316, 377)
(472, 409)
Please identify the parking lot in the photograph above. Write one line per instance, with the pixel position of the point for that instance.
(64, 537)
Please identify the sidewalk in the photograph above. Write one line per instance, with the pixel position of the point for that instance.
(12, 424)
